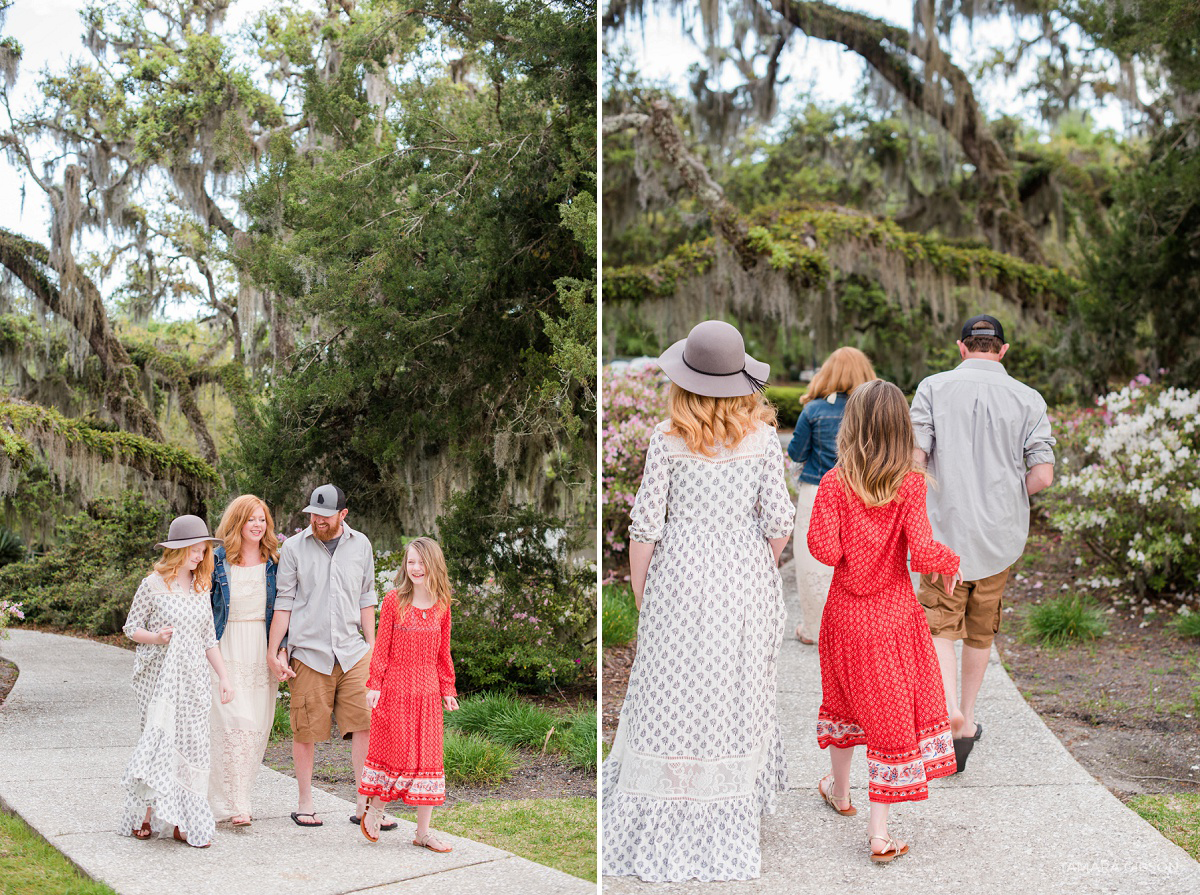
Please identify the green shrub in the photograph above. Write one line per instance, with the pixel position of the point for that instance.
(526, 605)
(88, 579)
(281, 727)
(1065, 619)
(580, 739)
(620, 615)
(1188, 624)
(786, 399)
(11, 548)
(477, 712)
(472, 759)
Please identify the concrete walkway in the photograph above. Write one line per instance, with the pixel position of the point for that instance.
(66, 732)
(1023, 818)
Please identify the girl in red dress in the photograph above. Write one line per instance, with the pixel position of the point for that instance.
(411, 678)
(880, 683)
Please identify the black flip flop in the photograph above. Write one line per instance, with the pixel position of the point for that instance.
(388, 823)
(297, 815)
(964, 745)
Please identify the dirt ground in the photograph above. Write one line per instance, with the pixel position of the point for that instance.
(1126, 706)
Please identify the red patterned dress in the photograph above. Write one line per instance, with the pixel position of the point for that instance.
(880, 682)
(412, 669)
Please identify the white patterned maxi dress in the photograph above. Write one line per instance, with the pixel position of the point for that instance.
(240, 728)
(168, 771)
(698, 756)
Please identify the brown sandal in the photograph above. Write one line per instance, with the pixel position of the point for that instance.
(372, 820)
(430, 842)
(893, 850)
(831, 799)
(180, 837)
(143, 832)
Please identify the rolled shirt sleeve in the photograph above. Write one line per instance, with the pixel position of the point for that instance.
(648, 518)
(776, 513)
(1039, 446)
(922, 418)
(368, 596)
(286, 575)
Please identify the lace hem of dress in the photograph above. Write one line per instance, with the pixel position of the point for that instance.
(236, 757)
(674, 840)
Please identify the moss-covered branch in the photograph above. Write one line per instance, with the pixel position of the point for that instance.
(77, 451)
(811, 243)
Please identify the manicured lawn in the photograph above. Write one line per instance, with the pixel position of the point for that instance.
(29, 866)
(559, 833)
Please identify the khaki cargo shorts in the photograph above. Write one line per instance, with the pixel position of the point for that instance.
(970, 614)
(317, 698)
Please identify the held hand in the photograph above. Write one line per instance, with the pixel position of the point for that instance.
(372, 699)
(164, 635)
(226, 691)
(282, 670)
(949, 582)
(451, 703)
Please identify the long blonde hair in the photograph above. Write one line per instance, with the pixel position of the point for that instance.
(706, 424)
(437, 579)
(875, 443)
(234, 520)
(843, 371)
(172, 560)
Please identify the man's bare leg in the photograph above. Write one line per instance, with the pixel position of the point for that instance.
(303, 755)
(948, 664)
(974, 664)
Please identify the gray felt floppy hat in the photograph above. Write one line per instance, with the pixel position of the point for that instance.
(712, 361)
(186, 531)
(326, 500)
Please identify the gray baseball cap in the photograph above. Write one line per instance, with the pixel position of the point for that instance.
(326, 500)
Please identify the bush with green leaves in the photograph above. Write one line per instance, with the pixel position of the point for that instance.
(87, 579)
(580, 739)
(514, 722)
(1187, 623)
(786, 399)
(1065, 619)
(1128, 487)
(526, 602)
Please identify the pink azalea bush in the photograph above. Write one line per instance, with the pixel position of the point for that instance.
(634, 403)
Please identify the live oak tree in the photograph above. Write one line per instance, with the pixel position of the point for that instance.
(382, 210)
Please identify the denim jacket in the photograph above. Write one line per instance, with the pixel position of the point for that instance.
(814, 443)
(219, 596)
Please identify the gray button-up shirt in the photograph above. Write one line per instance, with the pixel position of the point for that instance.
(324, 594)
(982, 430)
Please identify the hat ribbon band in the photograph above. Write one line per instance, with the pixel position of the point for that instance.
(757, 384)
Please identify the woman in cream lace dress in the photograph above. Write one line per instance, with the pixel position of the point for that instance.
(243, 598)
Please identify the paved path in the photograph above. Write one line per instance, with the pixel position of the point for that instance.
(1023, 818)
(66, 733)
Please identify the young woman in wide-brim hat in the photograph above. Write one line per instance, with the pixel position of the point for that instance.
(698, 756)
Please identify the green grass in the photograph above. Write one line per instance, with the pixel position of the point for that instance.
(559, 833)
(473, 759)
(30, 866)
(476, 713)
(619, 615)
(1187, 625)
(580, 738)
(1173, 815)
(522, 724)
(1064, 620)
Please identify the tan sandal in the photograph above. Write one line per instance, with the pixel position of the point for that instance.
(802, 637)
(891, 852)
(372, 820)
(831, 799)
(433, 844)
